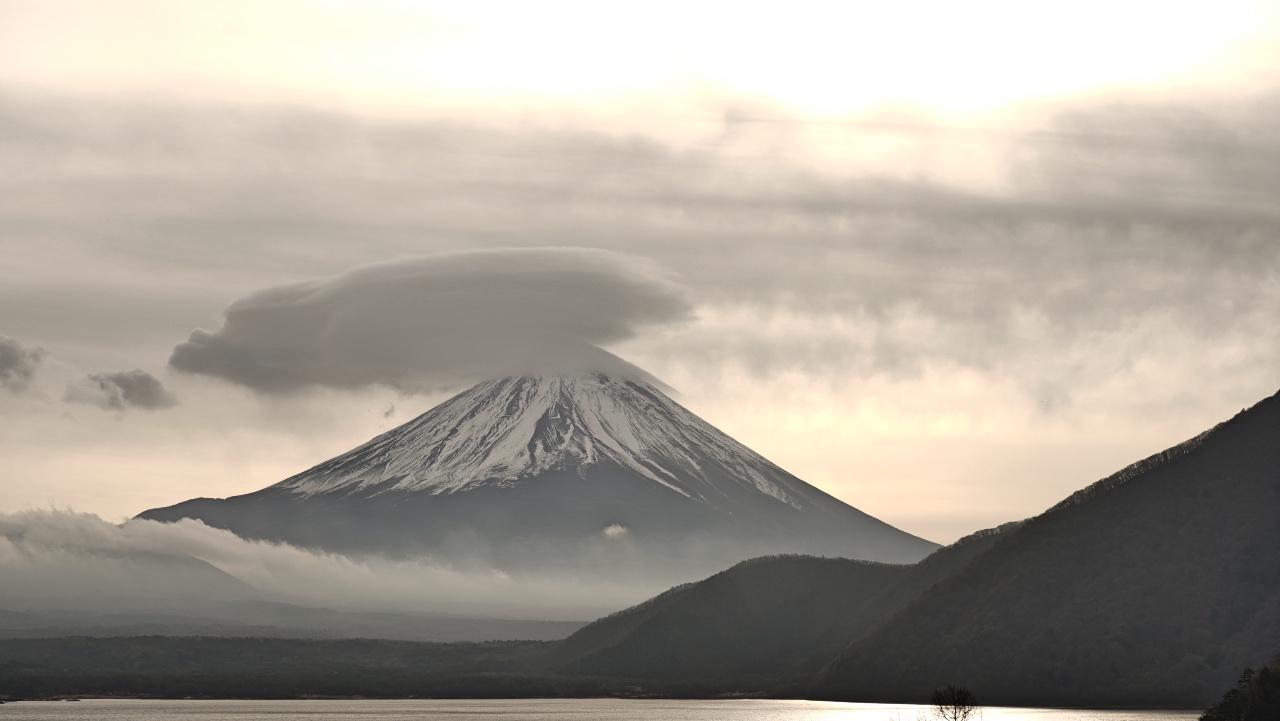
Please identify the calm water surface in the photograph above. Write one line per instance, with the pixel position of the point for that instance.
(536, 709)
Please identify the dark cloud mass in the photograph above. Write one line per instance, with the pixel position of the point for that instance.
(1101, 218)
(434, 321)
(120, 390)
(18, 364)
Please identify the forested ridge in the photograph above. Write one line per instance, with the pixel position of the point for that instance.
(1150, 591)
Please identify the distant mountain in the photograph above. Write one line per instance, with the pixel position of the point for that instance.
(538, 472)
(267, 619)
(106, 578)
(768, 617)
(1152, 586)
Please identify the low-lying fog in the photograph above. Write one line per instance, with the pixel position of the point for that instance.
(60, 559)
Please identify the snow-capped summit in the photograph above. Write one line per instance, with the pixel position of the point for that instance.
(507, 431)
(548, 469)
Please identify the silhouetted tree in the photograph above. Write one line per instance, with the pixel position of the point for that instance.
(953, 703)
(1256, 697)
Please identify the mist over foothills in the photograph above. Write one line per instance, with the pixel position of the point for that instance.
(64, 560)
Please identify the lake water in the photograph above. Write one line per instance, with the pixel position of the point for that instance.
(536, 709)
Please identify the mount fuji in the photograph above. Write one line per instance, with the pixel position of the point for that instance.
(557, 471)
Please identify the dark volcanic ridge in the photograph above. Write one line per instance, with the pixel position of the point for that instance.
(1152, 587)
(534, 472)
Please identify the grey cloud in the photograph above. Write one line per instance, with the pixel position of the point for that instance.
(120, 390)
(1191, 165)
(434, 321)
(1111, 215)
(18, 364)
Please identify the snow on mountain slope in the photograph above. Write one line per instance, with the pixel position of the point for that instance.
(534, 470)
(503, 431)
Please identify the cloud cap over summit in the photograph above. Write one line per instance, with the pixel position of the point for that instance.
(435, 321)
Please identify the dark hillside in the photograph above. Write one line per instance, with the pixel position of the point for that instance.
(863, 617)
(776, 616)
(1153, 586)
(760, 617)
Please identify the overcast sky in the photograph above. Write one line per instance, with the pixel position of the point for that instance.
(949, 262)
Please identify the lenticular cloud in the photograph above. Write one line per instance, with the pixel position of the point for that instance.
(435, 321)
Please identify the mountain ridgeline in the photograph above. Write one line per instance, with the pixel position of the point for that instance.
(1153, 586)
(527, 473)
(767, 617)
